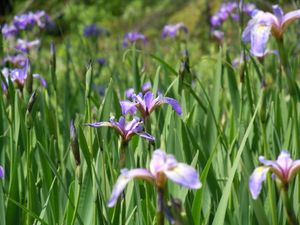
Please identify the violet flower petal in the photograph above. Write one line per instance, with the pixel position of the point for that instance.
(174, 103)
(256, 179)
(259, 37)
(128, 107)
(148, 100)
(42, 80)
(146, 136)
(123, 179)
(184, 175)
(1, 172)
(278, 13)
(290, 17)
(99, 124)
(129, 92)
(160, 162)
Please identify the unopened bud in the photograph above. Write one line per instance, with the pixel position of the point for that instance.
(74, 144)
(53, 64)
(88, 81)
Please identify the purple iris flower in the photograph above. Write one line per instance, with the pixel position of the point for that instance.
(218, 35)
(230, 9)
(1, 172)
(19, 75)
(9, 30)
(146, 87)
(101, 61)
(25, 46)
(162, 166)
(129, 93)
(284, 169)
(147, 103)
(132, 37)
(41, 18)
(248, 8)
(172, 30)
(23, 21)
(41, 79)
(93, 31)
(16, 60)
(126, 130)
(262, 24)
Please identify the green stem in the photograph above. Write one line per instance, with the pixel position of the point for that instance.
(123, 149)
(292, 219)
(160, 213)
(77, 201)
(293, 88)
(283, 57)
(28, 168)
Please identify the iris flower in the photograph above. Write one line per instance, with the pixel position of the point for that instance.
(284, 169)
(263, 24)
(25, 46)
(132, 37)
(171, 30)
(162, 166)
(147, 103)
(9, 30)
(19, 75)
(1, 172)
(126, 130)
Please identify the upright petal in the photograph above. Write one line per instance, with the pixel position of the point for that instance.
(256, 179)
(278, 13)
(128, 107)
(259, 37)
(161, 161)
(184, 175)
(148, 98)
(123, 179)
(157, 162)
(290, 17)
(1, 172)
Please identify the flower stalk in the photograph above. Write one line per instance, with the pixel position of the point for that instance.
(291, 216)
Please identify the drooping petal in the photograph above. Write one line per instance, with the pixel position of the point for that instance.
(259, 37)
(294, 169)
(246, 36)
(146, 136)
(128, 107)
(174, 103)
(1, 172)
(123, 179)
(42, 80)
(184, 175)
(290, 17)
(256, 179)
(99, 124)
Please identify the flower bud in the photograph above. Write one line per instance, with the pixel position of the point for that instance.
(74, 144)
